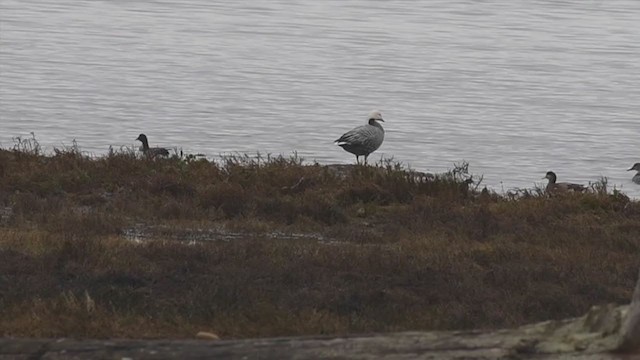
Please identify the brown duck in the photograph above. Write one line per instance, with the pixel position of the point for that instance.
(151, 152)
(555, 187)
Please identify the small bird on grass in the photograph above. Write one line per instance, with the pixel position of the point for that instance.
(556, 187)
(151, 152)
(365, 139)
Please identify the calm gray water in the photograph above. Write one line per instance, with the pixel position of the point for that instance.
(514, 87)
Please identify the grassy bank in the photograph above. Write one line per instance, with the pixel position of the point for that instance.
(108, 247)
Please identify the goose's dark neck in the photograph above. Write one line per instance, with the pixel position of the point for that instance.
(373, 122)
(145, 143)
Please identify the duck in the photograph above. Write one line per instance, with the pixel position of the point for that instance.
(555, 187)
(636, 177)
(364, 139)
(151, 152)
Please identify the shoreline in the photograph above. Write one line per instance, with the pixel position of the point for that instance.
(89, 249)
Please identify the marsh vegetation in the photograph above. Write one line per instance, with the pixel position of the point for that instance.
(269, 246)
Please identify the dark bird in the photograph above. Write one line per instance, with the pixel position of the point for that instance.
(151, 152)
(555, 187)
(365, 139)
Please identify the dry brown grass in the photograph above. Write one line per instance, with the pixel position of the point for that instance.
(387, 251)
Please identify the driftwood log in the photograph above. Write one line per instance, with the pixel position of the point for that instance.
(605, 332)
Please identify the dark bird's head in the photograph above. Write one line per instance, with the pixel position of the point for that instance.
(374, 116)
(551, 176)
(142, 137)
(635, 167)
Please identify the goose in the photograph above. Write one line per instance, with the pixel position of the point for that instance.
(636, 177)
(365, 139)
(554, 187)
(151, 152)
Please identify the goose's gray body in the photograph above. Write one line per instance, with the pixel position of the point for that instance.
(555, 187)
(365, 139)
(151, 152)
(636, 177)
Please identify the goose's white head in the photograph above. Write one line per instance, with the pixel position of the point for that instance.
(375, 115)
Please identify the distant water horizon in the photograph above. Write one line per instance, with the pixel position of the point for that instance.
(513, 88)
